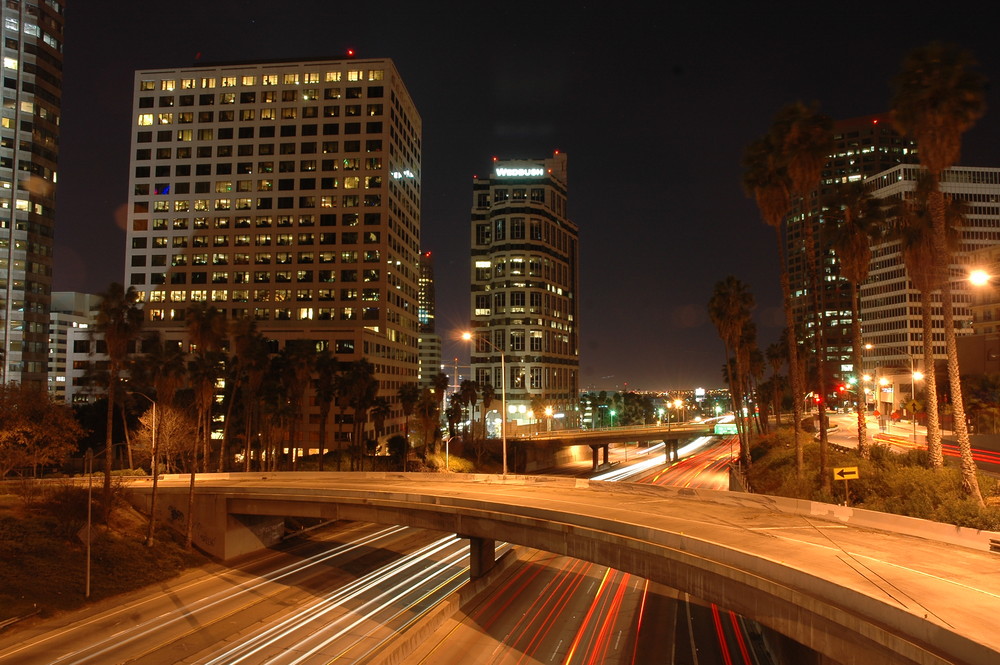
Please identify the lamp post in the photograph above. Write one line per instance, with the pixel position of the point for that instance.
(503, 397)
(155, 471)
(914, 377)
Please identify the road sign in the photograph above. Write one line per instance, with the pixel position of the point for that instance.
(845, 472)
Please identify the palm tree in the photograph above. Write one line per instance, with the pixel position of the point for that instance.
(805, 137)
(327, 370)
(206, 329)
(361, 390)
(776, 353)
(468, 392)
(937, 97)
(409, 395)
(300, 357)
(241, 346)
(119, 321)
(765, 178)
(488, 395)
(428, 410)
(914, 229)
(729, 309)
(380, 411)
(859, 218)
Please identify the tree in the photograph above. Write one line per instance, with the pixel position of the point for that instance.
(361, 388)
(937, 97)
(206, 329)
(34, 430)
(409, 395)
(468, 392)
(246, 366)
(488, 395)
(299, 358)
(729, 309)
(859, 217)
(766, 179)
(327, 371)
(914, 230)
(428, 410)
(804, 137)
(174, 431)
(776, 354)
(118, 322)
(380, 411)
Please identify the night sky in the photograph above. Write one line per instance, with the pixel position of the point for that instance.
(653, 107)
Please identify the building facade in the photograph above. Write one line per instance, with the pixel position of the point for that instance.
(287, 193)
(430, 341)
(73, 349)
(862, 147)
(525, 278)
(29, 152)
(891, 306)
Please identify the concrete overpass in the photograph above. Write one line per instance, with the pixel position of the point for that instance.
(600, 439)
(856, 586)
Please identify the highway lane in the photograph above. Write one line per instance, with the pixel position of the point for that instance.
(556, 609)
(342, 594)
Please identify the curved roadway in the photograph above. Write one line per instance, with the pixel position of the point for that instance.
(855, 594)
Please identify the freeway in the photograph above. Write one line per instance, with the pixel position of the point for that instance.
(340, 594)
(563, 610)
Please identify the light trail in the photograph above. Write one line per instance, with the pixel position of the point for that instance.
(254, 645)
(113, 642)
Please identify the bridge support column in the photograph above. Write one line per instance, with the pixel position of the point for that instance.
(482, 556)
(606, 446)
(593, 449)
(671, 446)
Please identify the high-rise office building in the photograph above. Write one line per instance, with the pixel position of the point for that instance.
(525, 277)
(862, 147)
(430, 341)
(891, 306)
(283, 192)
(29, 151)
(74, 350)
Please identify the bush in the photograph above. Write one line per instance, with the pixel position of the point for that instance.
(901, 484)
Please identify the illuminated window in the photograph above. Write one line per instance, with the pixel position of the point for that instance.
(145, 119)
(332, 76)
(291, 79)
(228, 81)
(168, 84)
(208, 83)
(269, 79)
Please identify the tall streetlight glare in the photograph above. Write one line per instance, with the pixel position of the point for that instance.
(467, 336)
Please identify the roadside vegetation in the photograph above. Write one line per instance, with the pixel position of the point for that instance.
(43, 551)
(902, 484)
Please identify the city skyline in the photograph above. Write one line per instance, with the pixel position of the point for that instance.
(656, 122)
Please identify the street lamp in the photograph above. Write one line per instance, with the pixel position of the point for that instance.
(156, 475)
(467, 336)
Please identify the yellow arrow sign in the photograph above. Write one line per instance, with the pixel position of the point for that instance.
(845, 472)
